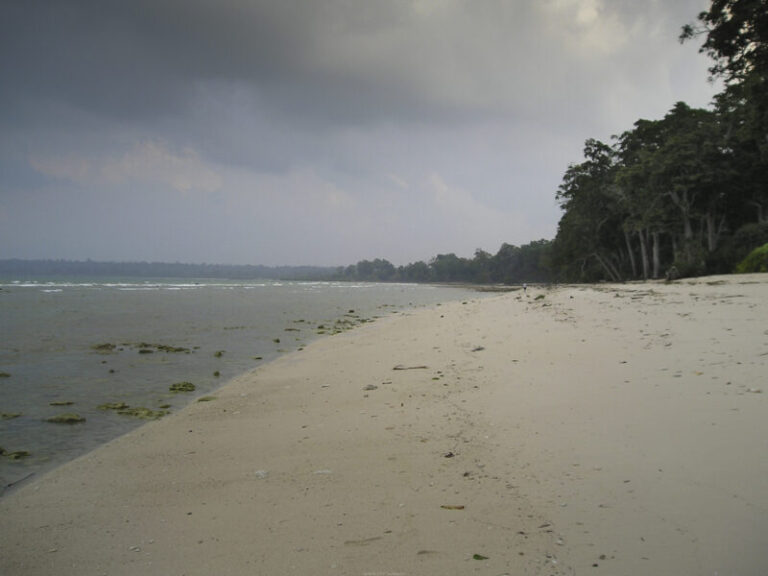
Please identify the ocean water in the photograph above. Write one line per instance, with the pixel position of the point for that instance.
(72, 346)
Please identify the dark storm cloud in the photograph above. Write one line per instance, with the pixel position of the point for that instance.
(146, 58)
(392, 128)
(331, 61)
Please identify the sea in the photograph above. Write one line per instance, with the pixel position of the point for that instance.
(109, 353)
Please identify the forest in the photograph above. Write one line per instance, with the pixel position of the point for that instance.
(683, 195)
(686, 194)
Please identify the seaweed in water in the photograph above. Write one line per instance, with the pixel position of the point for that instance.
(17, 455)
(113, 406)
(142, 412)
(105, 347)
(69, 418)
(182, 387)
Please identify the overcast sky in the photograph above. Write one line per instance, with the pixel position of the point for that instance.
(315, 131)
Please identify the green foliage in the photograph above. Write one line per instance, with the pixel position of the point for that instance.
(757, 261)
(749, 237)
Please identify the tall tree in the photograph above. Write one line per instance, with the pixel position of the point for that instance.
(591, 226)
(644, 204)
(736, 38)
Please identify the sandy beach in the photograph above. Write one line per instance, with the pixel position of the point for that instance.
(611, 429)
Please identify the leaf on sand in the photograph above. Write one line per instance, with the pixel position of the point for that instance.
(363, 542)
(479, 557)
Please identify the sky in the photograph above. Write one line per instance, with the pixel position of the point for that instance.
(316, 132)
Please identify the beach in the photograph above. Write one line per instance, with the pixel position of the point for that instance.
(616, 429)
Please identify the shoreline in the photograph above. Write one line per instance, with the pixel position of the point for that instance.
(77, 347)
(621, 426)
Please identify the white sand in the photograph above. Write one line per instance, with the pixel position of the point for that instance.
(610, 429)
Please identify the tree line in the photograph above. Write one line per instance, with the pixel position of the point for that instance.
(510, 265)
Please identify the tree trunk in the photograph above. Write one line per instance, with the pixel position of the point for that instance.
(632, 261)
(613, 274)
(656, 255)
(685, 212)
(714, 229)
(761, 215)
(644, 252)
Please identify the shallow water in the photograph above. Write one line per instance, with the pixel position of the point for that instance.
(48, 331)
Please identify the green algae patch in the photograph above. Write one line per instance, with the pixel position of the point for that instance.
(135, 411)
(4, 375)
(9, 415)
(172, 349)
(182, 387)
(149, 348)
(142, 412)
(69, 418)
(206, 398)
(17, 455)
(61, 403)
(218, 353)
(105, 347)
(113, 406)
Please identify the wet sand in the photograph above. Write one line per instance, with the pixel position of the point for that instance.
(617, 429)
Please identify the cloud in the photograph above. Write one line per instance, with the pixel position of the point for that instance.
(466, 218)
(326, 131)
(149, 162)
(330, 61)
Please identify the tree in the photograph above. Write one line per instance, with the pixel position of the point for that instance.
(592, 222)
(450, 268)
(736, 38)
(643, 203)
